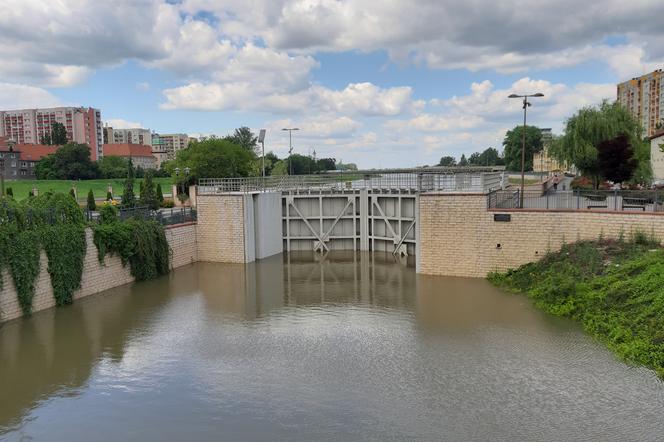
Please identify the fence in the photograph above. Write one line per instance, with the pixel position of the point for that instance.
(616, 200)
(165, 217)
(413, 181)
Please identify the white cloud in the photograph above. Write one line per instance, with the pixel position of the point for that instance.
(21, 96)
(119, 123)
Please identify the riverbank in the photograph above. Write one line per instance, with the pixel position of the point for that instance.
(615, 288)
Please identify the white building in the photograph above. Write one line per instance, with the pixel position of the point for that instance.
(169, 144)
(657, 156)
(127, 136)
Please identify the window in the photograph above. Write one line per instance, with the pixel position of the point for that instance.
(14, 165)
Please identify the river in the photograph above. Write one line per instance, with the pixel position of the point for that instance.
(347, 347)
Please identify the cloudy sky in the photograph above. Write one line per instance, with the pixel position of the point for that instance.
(381, 83)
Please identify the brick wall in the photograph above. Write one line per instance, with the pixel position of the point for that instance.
(459, 237)
(220, 231)
(96, 277)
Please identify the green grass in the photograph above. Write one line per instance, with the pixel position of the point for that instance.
(527, 181)
(22, 188)
(614, 288)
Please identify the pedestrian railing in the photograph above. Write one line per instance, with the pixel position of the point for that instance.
(608, 200)
(165, 217)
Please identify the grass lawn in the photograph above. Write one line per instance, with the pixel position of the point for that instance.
(22, 188)
(527, 181)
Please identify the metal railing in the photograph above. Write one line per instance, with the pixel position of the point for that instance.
(443, 181)
(607, 200)
(165, 217)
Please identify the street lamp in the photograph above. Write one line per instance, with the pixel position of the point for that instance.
(261, 139)
(290, 146)
(523, 138)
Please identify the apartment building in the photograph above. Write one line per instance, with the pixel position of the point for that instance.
(167, 145)
(29, 126)
(127, 136)
(644, 97)
(542, 160)
(140, 154)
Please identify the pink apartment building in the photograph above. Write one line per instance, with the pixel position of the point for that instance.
(28, 126)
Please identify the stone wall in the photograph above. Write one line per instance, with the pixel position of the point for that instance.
(459, 237)
(96, 277)
(221, 228)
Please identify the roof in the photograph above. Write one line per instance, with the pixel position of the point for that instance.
(30, 152)
(127, 150)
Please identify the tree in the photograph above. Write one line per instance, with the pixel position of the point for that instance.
(212, 158)
(463, 161)
(270, 160)
(280, 168)
(326, 164)
(46, 139)
(513, 143)
(112, 167)
(490, 157)
(160, 194)
(58, 134)
(10, 192)
(92, 205)
(244, 138)
(69, 162)
(72, 193)
(128, 197)
(109, 196)
(592, 125)
(149, 195)
(615, 159)
(447, 161)
(474, 159)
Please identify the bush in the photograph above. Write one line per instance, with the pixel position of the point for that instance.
(91, 205)
(108, 214)
(168, 204)
(10, 192)
(109, 196)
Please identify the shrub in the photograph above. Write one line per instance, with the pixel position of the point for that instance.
(168, 204)
(91, 205)
(10, 191)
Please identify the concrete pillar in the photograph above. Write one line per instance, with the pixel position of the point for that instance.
(192, 195)
(364, 220)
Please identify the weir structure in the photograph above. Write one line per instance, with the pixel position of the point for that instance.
(376, 210)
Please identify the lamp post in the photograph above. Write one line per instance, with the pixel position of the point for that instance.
(523, 139)
(290, 146)
(261, 139)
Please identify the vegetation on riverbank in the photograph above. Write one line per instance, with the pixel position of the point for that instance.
(615, 288)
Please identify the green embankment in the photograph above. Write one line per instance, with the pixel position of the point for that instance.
(614, 288)
(21, 188)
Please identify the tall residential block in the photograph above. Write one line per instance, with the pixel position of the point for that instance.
(167, 145)
(127, 136)
(29, 126)
(644, 97)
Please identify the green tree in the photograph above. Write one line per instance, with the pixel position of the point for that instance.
(69, 162)
(128, 197)
(46, 139)
(270, 161)
(160, 195)
(149, 196)
(513, 143)
(490, 157)
(592, 125)
(463, 161)
(72, 193)
(280, 168)
(109, 196)
(615, 159)
(10, 192)
(92, 205)
(111, 167)
(213, 158)
(447, 161)
(474, 159)
(245, 138)
(58, 134)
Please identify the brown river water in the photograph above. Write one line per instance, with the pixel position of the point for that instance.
(299, 347)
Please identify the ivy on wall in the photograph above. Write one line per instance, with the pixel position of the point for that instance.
(55, 223)
(141, 243)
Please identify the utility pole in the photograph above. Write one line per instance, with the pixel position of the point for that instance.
(523, 139)
(290, 147)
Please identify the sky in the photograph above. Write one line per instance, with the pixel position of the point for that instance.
(390, 83)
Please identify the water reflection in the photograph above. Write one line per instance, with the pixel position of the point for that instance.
(346, 346)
